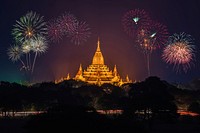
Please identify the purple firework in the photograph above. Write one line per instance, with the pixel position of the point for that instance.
(55, 31)
(67, 21)
(80, 33)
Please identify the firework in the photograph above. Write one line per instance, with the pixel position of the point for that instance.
(144, 42)
(135, 20)
(39, 45)
(29, 26)
(67, 25)
(158, 34)
(29, 33)
(14, 53)
(26, 47)
(55, 31)
(152, 38)
(80, 33)
(67, 22)
(179, 52)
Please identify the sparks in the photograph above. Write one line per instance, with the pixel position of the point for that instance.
(179, 52)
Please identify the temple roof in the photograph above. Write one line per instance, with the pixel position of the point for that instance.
(98, 73)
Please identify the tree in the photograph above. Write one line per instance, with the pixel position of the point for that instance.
(194, 107)
(152, 98)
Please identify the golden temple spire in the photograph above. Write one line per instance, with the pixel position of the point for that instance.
(127, 78)
(98, 45)
(115, 70)
(80, 68)
(98, 57)
(68, 76)
(79, 75)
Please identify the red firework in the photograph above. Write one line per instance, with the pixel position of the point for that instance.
(135, 20)
(158, 34)
(55, 31)
(153, 37)
(80, 33)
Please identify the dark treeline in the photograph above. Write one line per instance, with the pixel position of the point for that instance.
(41, 96)
(75, 104)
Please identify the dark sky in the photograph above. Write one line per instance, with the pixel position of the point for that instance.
(104, 18)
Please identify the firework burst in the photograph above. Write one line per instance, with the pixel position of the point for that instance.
(26, 47)
(144, 42)
(152, 38)
(55, 31)
(158, 34)
(39, 45)
(29, 26)
(135, 20)
(179, 52)
(67, 22)
(80, 33)
(14, 53)
(29, 33)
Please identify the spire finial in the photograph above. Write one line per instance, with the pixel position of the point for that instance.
(127, 78)
(115, 70)
(68, 76)
(80, 68)
(98, 45)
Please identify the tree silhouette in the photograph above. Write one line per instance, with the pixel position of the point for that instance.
(152, 98)
(194, 107)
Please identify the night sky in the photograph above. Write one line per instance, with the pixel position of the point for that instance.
(104, 18)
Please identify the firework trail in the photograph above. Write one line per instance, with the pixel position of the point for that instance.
(150, 39)
(39, 45)
(26, 49)
(148, 35)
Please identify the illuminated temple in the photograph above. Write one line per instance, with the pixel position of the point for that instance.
(98, 73)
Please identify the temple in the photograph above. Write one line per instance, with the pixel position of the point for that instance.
(98, 73)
